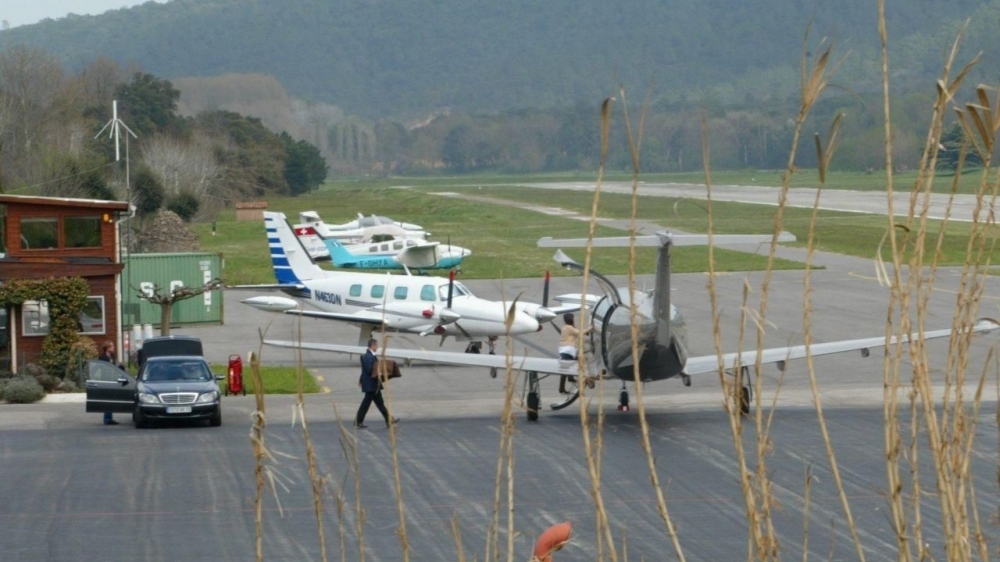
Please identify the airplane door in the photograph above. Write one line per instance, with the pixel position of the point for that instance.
(109, 388)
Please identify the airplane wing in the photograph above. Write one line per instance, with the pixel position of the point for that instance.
(710, 363)
(695, 365)
(521, 363)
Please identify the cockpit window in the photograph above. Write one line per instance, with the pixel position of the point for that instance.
(458, 291)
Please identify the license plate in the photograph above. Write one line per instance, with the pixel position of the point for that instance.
(178, 409)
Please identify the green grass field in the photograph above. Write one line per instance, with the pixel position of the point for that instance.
(503, 238)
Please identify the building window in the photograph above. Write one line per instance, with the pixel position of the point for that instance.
(91, 320)
(39, 233)
(35, 318)
(82, 232)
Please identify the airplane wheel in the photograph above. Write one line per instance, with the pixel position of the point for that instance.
(573, 390)
(623, 401)
(686, 379)
(534, 396)
(745, 400)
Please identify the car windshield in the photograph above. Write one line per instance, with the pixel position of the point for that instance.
(177, 371)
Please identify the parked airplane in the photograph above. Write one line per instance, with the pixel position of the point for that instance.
(411, 253)
(313, 232)
(404, 303)
(661, 333)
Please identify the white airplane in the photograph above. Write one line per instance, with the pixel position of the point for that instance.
(661, 333)
(313, 232)
(402, 303)
(411, 253)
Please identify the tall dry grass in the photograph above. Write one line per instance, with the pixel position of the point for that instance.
(940, 415)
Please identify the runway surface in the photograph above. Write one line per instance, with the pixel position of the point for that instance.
(73, 489)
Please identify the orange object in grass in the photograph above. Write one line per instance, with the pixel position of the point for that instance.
(553, 539)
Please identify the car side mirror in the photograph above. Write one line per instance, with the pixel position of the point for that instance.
(220, 377)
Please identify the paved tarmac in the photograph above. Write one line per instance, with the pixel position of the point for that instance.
(73, 489)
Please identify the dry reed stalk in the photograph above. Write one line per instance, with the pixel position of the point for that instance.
(404, 543)
(635, 149)
(259, 454)
(505, 453)
(603, 530)
(315, 480)
(824, 154)
(951, 433)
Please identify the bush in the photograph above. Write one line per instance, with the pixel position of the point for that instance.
(48, 382)
(67, 386)
(23, 391)
(32, 370)
(185, 204)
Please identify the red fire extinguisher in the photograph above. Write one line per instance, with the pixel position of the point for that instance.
(235, 379)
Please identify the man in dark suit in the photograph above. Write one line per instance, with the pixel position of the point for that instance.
(371, 386)
(108, 354)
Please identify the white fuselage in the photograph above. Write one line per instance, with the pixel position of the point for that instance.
(417, 304)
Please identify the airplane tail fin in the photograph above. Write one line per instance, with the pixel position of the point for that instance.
(664, 241)
(291, 261)
(338, 253)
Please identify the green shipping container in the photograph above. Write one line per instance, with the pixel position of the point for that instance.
(143, 272)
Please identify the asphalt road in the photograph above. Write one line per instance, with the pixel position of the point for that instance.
(73, 489)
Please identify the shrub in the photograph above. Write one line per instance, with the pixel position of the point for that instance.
(67, 386)
(185, 204)
(23, 391)
(48, 382)
(32, 370)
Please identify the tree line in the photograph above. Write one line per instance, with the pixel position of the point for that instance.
(49, 142)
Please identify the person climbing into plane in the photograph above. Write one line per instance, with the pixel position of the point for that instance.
(567, 347)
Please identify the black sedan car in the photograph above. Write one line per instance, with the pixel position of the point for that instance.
(168, 387)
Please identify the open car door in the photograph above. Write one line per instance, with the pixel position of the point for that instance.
(109, 388)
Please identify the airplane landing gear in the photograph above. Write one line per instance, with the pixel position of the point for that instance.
(534, 396)
(686, 379)
(572, 393)
(623, 399)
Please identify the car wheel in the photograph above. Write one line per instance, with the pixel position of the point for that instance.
(216, 419)
(139, 419)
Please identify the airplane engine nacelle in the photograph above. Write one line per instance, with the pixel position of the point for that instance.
(410, 316)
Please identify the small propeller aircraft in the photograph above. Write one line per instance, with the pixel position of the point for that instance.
(660, 327)
(313, 232)
(416, 304)
(411, 253)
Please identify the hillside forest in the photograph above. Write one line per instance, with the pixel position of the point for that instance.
(56, 139)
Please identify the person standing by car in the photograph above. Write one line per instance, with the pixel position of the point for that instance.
(371, 386)
(108, 354)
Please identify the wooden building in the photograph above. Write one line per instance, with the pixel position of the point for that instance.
(47, 237)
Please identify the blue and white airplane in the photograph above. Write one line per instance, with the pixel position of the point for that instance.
(408, 254)
(416, 304)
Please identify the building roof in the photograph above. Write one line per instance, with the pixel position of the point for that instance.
(7, 199)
